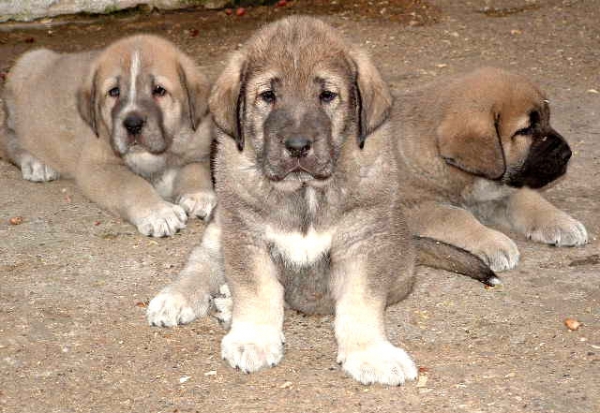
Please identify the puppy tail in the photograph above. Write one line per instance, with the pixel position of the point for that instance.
(438, 254)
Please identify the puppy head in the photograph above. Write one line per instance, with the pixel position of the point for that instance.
(497, 125)
(294, 95)
(141, 92)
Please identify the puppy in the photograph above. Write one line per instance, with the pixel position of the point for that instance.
(129, 123)
(306, 212)
(478, 148)
(309, 205)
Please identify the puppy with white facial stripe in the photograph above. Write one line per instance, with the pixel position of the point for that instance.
(134, 132)
(309, 207)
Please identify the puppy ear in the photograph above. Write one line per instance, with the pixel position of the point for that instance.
(196, 89)
(471, 141)
(227, 99)
(373, 97)
(86, 102)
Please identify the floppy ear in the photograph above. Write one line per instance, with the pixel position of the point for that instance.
(227, 99)
(86, 102)
(470, 141)
(196, 89)
(374, 99)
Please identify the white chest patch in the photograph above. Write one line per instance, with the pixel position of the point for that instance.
(164, 185)
(484, 190)
(145, 163)
(300, 249)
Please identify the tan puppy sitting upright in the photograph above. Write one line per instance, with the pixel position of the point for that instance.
(129, 123)
(309, 212)
(479, 147)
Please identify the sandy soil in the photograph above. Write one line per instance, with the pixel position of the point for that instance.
(74, 280)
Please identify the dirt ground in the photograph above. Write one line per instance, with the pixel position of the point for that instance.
(74, 280)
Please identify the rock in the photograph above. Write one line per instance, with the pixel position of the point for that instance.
(215, 4)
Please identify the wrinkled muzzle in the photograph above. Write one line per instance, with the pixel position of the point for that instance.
(298, 148)
(140, 129)
(547, 161)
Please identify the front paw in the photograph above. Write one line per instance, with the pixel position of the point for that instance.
(223, 305)
(199, 204)
(562, 231)
(163, 221)
(498, 251)
(250, 347)
(170, 308)
(35, 171)
(379, 363)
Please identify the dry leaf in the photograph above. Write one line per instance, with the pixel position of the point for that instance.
(16, 220)
(572, 324)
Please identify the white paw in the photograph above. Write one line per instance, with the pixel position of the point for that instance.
(164, 221)
(170, 308)
(500, 253)
(381, 363)
(223, 305)
(563, 232)
(199, 204)
(250, 347)
(35, 171)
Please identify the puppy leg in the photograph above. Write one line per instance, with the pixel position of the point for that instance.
(118, 189)
(459, 227)
(530, 214)
(193, 190)
(189, 297)
(32, 168)
(360, 284)
(255, 340)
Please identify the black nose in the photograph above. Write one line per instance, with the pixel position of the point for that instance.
(133, 123)
(565, 154)
(298, 146)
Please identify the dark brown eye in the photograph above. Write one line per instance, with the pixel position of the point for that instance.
(268, 96)
(159, 91)
(114, 92)
(525, 131)
(327, 96)
(534, 123)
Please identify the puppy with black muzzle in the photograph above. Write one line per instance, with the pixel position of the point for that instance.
(304, 215)
(309, 206)
(478, 148)
(129, 123)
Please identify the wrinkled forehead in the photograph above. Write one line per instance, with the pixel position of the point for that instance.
(526, 101)
(133, 59)
(525, 106)
(297, 67)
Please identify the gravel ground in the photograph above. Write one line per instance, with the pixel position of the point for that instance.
(74, 280)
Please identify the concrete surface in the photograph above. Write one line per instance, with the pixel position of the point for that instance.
(74, 280)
